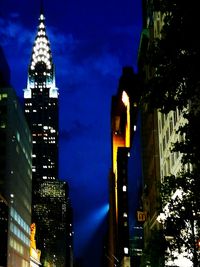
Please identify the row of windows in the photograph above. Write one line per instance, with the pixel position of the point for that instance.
(28, 104)
(48, 177)
(46, 142)
(19, 220)
(48, 167)
(34, 110)
(17, 232)
(16, 246)
(45, 137)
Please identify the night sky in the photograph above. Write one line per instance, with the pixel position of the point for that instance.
(91, 41)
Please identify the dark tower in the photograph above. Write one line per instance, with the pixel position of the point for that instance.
(41, 108)
(50, 196)
(124, 112)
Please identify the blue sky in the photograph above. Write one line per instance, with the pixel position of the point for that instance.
(91, 41)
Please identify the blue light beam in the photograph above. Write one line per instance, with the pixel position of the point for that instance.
(87, 227)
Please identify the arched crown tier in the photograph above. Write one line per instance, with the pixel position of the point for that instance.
(41, 68)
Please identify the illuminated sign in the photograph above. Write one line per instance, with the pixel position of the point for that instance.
(141, 216)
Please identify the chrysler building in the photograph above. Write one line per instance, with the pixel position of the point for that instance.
(51, 211)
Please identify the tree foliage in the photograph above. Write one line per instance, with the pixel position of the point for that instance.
(175, 59)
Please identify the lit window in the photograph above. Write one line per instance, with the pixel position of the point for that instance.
(125, 250)
(124, 188)
(4, 95)
(3, 125)
(18, 136)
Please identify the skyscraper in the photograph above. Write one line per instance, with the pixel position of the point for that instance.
(160, 131)
(50, 196)
(15, 181)
(123, 126)
(15, 175)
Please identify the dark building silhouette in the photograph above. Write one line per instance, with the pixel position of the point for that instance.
(135, 183)
(15, 181)
(3, 231)
(51, 210)
(123, 125)
(4, 70)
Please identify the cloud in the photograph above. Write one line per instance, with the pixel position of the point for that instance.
(62, 43)
(76, 129)
(86, 65)
(11, 30)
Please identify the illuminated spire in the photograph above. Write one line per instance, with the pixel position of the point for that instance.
(41, 68)
(41, 49)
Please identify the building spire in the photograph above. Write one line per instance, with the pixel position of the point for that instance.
(41, 18)
(41, 7)
(41, 49)
(41, 61)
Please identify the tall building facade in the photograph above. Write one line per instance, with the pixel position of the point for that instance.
(15, 178)
(150, 143)
(4, 81)
(123, 126)
(159, 133)
(50, 197)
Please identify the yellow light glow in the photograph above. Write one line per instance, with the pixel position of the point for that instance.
(125, 98)
(118, 141)
(126, 101)
(34, 252)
